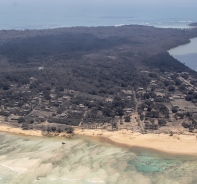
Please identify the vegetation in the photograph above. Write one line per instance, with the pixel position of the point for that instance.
(92, 77)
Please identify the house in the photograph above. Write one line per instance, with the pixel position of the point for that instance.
(128, 110)
(81, 106)
(159, 94)
(129, 97)
(140, 89)
(65, 98)
(64, 115)
(153, 82)
(41, 68)
(109, 99)
(176, 97)
(152, 99)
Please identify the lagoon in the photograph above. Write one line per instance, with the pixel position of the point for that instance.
(186, 54)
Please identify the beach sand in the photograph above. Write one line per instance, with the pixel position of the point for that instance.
(176, 144)
(19, 131)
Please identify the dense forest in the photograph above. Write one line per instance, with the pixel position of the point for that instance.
(89, 67)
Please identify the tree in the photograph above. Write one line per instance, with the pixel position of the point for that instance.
(185, 125)
(69, 130)
(59, 129)
(107, 111)
(185, 76)
(182, 88)
(34, 85)
(46, 94)
(119, 111)
(140, 110)
(6, 119)
(114, 125)
(171, 88)
(178, 82)
(189, 97)
(21, 120)
(25, 126)
(48, 129)
(162, 122)
(142, 117)
(53, 128)
(174, 109)
(194, 123)
(5, 86)
(167, 83)
(127, 119)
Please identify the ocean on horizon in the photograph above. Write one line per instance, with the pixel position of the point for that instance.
(47, 14)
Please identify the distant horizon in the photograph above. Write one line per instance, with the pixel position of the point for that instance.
(22, 14)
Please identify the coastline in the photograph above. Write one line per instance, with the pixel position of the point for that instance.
(174, 145)
(177, 144)
(19, 131)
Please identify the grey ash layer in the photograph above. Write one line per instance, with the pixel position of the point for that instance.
(98, 77)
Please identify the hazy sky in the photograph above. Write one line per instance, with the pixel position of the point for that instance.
(88, 12)
(98, 6)
(158, 2)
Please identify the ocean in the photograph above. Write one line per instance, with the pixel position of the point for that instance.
(20, 14)
(42, 160)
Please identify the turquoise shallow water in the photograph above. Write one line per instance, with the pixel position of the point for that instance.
(82, 161)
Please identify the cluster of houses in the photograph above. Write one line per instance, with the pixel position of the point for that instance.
(39, 109)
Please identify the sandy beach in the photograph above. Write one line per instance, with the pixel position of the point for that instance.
(176, 144)
(19, 131)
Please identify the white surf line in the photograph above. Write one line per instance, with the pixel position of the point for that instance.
(72, 180)
(95, 181)
(55, 179)
(12, 169)
(64, 179)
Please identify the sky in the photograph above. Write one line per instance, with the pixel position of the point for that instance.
(97, 5)
(94, 2)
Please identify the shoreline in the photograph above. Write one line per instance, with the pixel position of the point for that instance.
(178, 144)
(18, 131)
(173, 145)
(36, 133)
